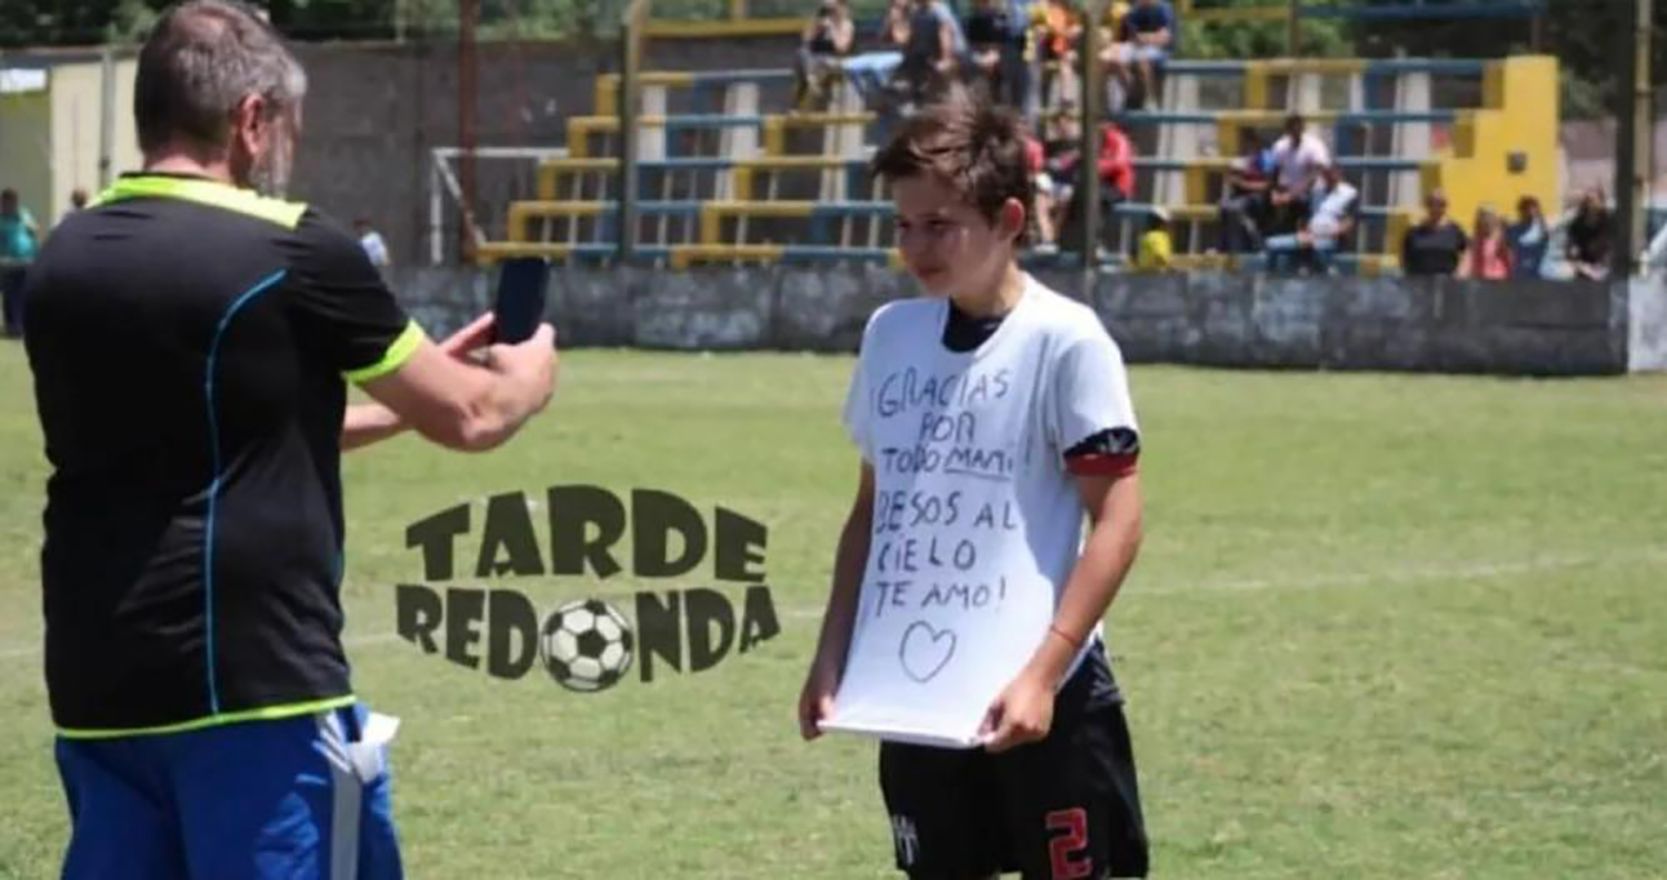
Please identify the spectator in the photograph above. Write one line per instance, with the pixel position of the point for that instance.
(1489, 257)
(1148, 32)
(19, 239)
(1116, 162)
(375, 248)
(932, 47)
(1336, 203)
(1298, 155)
(827, 38)
(1115, 165)
(1435, 245)
(1061, 145)
(1156, 250)
(987, 35)
(894, 30)
(1057, 38)
(1528, 238)
(1591, 237)
(1244, 200)
(77, 199)
(1015, 66)
(1654, 257)
(1042, 205)
(1113, 51)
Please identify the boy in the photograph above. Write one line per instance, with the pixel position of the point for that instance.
(1051, 792)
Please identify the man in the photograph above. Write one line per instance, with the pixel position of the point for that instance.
(1147, 34)
(375, 247)
(19, 239)
(1015, 66)
(1591, 237)
(933, 46)
(1244, 199)
(1336, 203)
(988, 32)
(1435, 245)
(1299, 156)
(1052, 790)
(1115, 164)
(189, 341)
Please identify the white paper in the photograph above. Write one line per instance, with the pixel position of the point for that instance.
(896, 733)
(968, 507)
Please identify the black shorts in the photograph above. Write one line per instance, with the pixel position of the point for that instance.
(1064, 808)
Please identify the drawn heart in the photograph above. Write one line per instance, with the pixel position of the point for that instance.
(925, 651)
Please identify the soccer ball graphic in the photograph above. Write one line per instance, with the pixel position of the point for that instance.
(586, 646)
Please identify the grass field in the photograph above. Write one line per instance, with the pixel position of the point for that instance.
(1382, 627)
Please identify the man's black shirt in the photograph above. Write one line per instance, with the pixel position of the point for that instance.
(189, 342)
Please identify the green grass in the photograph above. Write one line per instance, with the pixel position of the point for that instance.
(1383, 626)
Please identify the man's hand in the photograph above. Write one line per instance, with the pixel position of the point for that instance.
(1023, 713)
(816, 699)
(532, 362)
(367, 423)
(472, 338)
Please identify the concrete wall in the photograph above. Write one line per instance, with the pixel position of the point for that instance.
(1377, 324)
(1520, 116)
(375, 111)
(1647, 324)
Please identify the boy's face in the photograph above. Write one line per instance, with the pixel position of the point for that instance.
(947, 244)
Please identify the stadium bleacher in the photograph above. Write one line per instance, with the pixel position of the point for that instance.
(728, 172)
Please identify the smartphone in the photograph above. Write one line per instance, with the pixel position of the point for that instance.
(520, 304)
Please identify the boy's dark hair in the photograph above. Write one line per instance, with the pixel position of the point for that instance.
(976, 148)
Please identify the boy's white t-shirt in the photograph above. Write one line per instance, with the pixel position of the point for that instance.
(977, 523)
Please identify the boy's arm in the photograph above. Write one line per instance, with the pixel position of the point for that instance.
(1024, 712)
(816, 700)
(1089, 417)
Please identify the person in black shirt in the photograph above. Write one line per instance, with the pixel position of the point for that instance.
(1435, 245)
(827, 38)
(1591, 237)
(190, 340)
(988, 33)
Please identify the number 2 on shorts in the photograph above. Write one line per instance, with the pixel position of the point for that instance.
(1069, 835)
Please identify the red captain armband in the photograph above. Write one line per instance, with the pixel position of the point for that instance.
(1103, 465)
(1114, 452)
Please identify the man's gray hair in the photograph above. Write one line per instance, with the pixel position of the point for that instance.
(202, 59)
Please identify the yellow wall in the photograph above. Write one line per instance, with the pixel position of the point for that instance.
(1519, 115)
(26, 149)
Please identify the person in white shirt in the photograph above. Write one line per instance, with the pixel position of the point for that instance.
(1335, 202)
(991, 416)
(1653, 260)
(1299, 156)
(371, 240)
